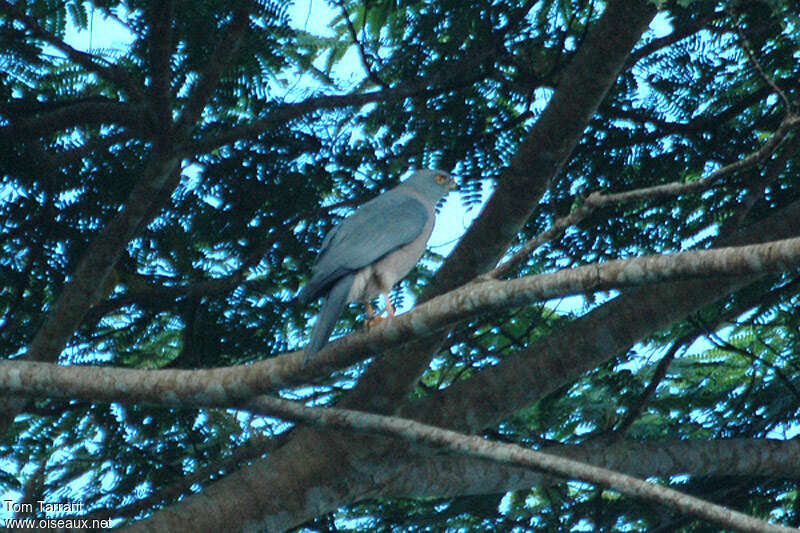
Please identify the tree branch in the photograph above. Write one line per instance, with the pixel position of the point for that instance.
(225, 49)
(417, 433)
(426, 475)
(508, 454)
(223, 386)
(677, 188)
(678, 34)
(160, 49)
(87, 280)
(78, 114)
(459, 73)
(505, 453)
(111, 73)
(751, 55)
(362, 53)
(284, 112)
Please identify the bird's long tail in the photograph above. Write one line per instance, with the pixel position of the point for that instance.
(328, 315)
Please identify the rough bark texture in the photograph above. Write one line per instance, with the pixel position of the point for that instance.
(427, 475)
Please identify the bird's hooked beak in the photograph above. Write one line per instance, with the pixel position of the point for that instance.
(451, 184)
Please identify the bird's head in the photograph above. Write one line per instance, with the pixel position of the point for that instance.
(433, 184)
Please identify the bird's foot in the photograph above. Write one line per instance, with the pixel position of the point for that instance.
(374, 320)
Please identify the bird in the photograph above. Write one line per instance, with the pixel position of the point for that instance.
(372, 249)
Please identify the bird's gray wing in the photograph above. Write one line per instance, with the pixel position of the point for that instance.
(376, 228)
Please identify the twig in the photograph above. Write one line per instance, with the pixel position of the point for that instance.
(597, 200)
(362, 52)
(111, 72)
(721, 343)
(460, 73)
(741, 306)
(678, 34)
(758, 187)
(658, 376)
(757, 65)
(284, 112)
(227, 46)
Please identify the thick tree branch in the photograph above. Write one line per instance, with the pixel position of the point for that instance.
(87, 280)
(98, 260)
(223, 386)
(549, 144)
(160, 46)
(427, 475)
(478, 447)
(506, 453)
(78, 114)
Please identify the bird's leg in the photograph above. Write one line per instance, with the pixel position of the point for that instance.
(389, 311)
(372, 318)
(389, 306)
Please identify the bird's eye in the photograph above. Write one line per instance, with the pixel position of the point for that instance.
(440, 179)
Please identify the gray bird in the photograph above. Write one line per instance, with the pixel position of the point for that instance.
(372, 249)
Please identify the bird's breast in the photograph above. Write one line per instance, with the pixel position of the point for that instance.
(381, 276)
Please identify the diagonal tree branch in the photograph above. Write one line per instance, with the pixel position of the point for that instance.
(97, 262)
(87, 280)
(479, 447)
(284, 112)
(751, 55)
(678, 34)
(426, 475)
(366, 62)
(78, 114)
